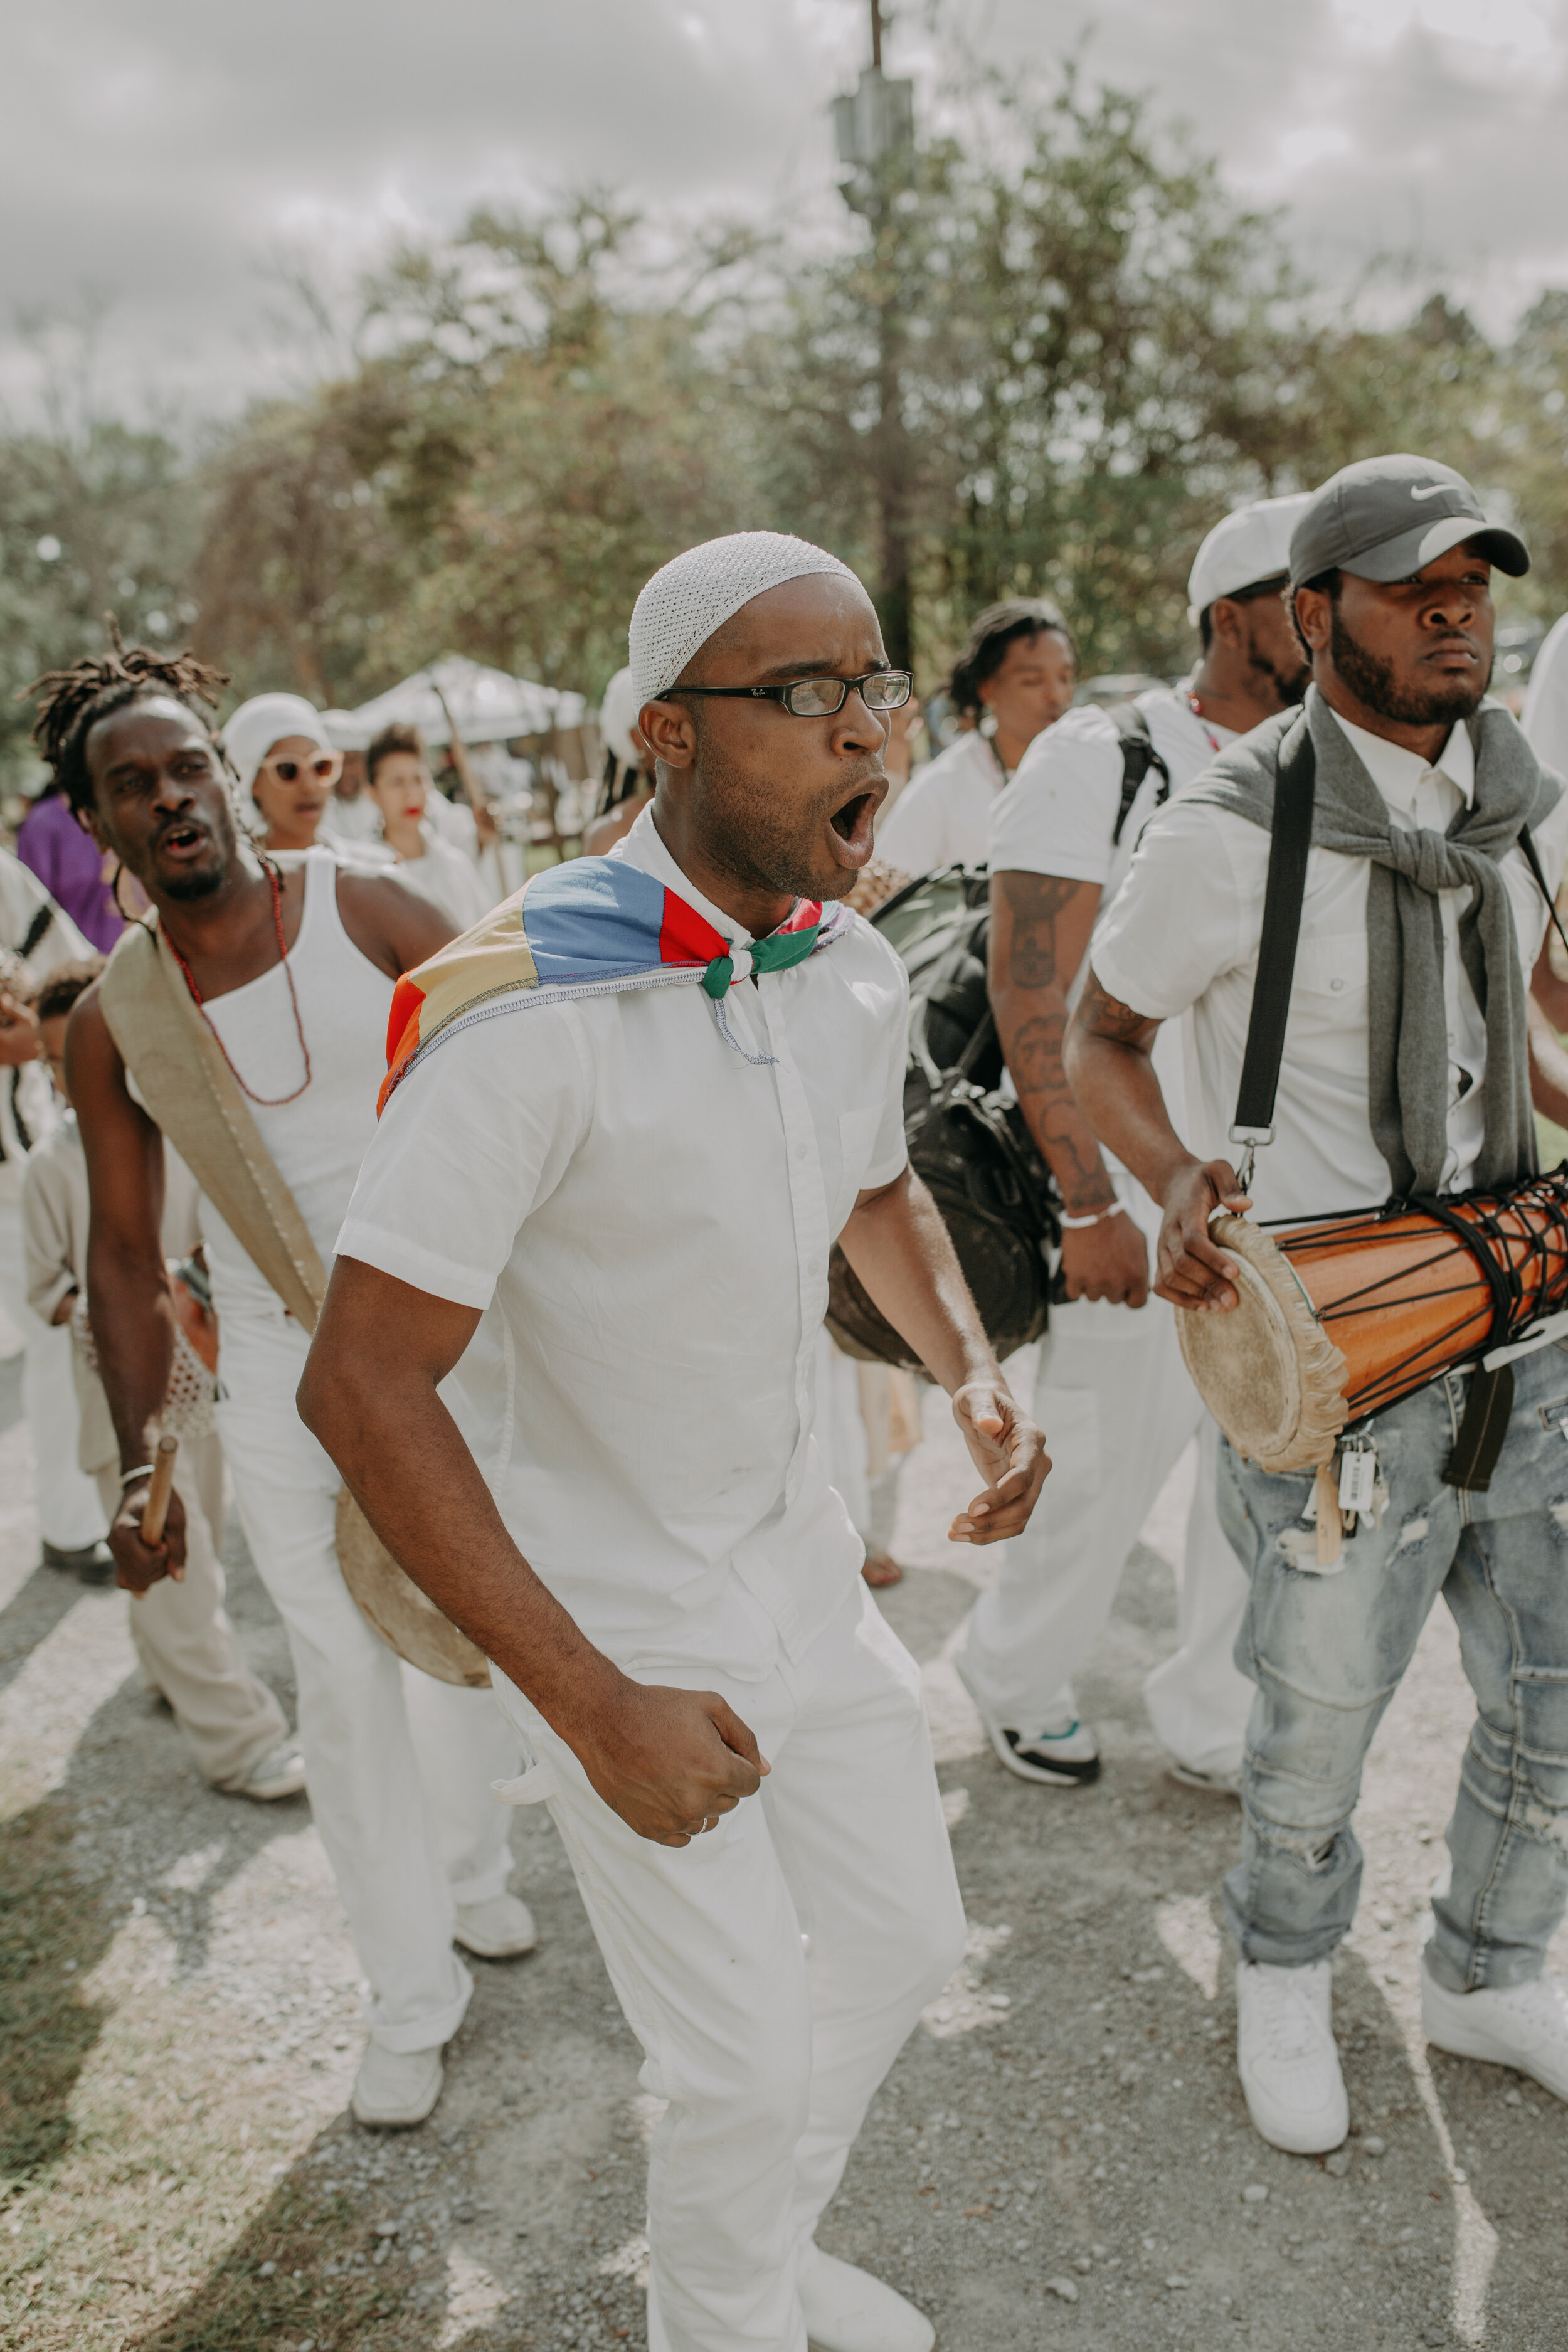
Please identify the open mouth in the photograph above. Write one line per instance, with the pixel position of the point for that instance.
(851, 821)
(182, 840)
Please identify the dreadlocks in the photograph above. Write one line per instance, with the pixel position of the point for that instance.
(72, 701)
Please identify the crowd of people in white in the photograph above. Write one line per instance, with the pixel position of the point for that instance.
(578, 1273)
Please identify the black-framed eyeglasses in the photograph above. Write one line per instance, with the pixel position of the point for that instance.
(820, 698)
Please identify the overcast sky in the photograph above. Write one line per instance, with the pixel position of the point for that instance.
(162, 157)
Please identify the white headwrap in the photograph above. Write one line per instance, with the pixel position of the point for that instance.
(618, 716)
(266, 720)
(696, 593)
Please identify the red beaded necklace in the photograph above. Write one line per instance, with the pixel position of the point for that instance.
(274, 1102)
(1196, 706)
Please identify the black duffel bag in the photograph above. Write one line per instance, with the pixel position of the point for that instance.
(968, 1142)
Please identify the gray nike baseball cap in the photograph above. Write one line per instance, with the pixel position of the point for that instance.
(1385, 518)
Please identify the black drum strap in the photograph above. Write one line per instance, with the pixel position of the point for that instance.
(1489, 1408)
(1295, 791)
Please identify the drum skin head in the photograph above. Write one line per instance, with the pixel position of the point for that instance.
(393, 1606)
(1267, 1370)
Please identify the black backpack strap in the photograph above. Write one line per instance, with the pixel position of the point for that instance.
(1138, 756)
(1295, 791)
(42, 918)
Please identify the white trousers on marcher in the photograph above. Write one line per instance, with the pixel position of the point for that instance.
(399, 1767)
(1118, 1407)
(187, 1647)
(70, 1515)
(772, 1970)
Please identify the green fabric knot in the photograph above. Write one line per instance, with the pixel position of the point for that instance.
(781, 948)
(775, 953)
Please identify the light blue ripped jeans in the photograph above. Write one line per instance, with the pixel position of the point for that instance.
(1327, 1653)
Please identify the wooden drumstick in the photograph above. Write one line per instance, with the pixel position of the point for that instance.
(159, 1491)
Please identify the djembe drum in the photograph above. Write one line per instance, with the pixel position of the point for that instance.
(1343, 1316)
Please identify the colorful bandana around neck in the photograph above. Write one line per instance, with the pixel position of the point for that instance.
(595, 927)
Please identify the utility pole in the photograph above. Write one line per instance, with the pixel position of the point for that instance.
(875, 129)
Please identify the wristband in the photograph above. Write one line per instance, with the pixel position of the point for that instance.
(1077, 1225)
(128, 1477)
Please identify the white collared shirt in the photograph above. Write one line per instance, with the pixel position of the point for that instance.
(644, 1217)
(1059, 812)
(943, 814)
(1183, 933)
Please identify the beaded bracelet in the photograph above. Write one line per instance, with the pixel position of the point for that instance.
(1077, 1225)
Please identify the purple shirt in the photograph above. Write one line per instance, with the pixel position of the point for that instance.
(71, 869)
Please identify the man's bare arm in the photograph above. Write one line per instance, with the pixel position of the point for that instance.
(130, 1305)
(390, 923)
(1041, 927)
(1548, 1061)
(664, 1760)
(1109, 1058)
(899, 1246)
(1550, 993)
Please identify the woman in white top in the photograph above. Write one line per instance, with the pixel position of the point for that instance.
(1016, 676)
(398, 781)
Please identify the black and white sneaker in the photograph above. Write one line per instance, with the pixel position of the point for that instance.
(1057, 1751)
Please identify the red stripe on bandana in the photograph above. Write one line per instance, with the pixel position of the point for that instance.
(687, 937)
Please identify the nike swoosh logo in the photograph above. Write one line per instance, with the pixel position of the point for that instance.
(1436, 491)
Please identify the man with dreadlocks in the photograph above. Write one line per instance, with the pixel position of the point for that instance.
(279, 984)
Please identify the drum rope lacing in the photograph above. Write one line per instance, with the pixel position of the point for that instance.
(1502, 1254)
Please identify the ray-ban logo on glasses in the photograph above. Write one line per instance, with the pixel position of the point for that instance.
(1433, 490)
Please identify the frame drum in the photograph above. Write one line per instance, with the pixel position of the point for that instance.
(1344, 1316)
(392, 1603)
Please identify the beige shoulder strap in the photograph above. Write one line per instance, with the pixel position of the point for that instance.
(191, 1094)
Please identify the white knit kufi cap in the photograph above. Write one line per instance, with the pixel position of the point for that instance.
(696, 592)
(266, 720)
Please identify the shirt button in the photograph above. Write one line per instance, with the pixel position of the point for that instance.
(1336, 983)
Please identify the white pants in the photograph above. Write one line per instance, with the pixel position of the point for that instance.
(70, 1515)
(772, 1970)
(1118, 1407)
(187, 1647)
(399, 1767)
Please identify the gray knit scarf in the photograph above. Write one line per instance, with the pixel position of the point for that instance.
(1407, 1074)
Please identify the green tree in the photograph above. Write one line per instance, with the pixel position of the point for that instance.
(95, 515)
(534, 443)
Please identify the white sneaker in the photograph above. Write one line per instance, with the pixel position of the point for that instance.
(1220, 1780)
(1052, 1748)
(280, 1773)
(1286, 2055)
(396, 2089)
(497, 1931)
(1524, 2026)
(847, 2310)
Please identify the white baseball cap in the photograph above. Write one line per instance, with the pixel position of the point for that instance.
(1250, 545)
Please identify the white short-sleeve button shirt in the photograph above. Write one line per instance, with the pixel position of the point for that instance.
(942, 814)
(1183, 931)
(644, 1217)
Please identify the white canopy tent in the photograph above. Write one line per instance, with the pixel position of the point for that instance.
(487, 707)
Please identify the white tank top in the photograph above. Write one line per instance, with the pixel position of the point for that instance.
(318, 1139)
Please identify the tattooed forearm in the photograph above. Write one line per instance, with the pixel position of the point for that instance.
(1040, 925)
(1100, 1016)
(1035, 1058)
(1035, 902)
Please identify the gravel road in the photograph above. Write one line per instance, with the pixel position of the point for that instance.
(1060, 2157)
